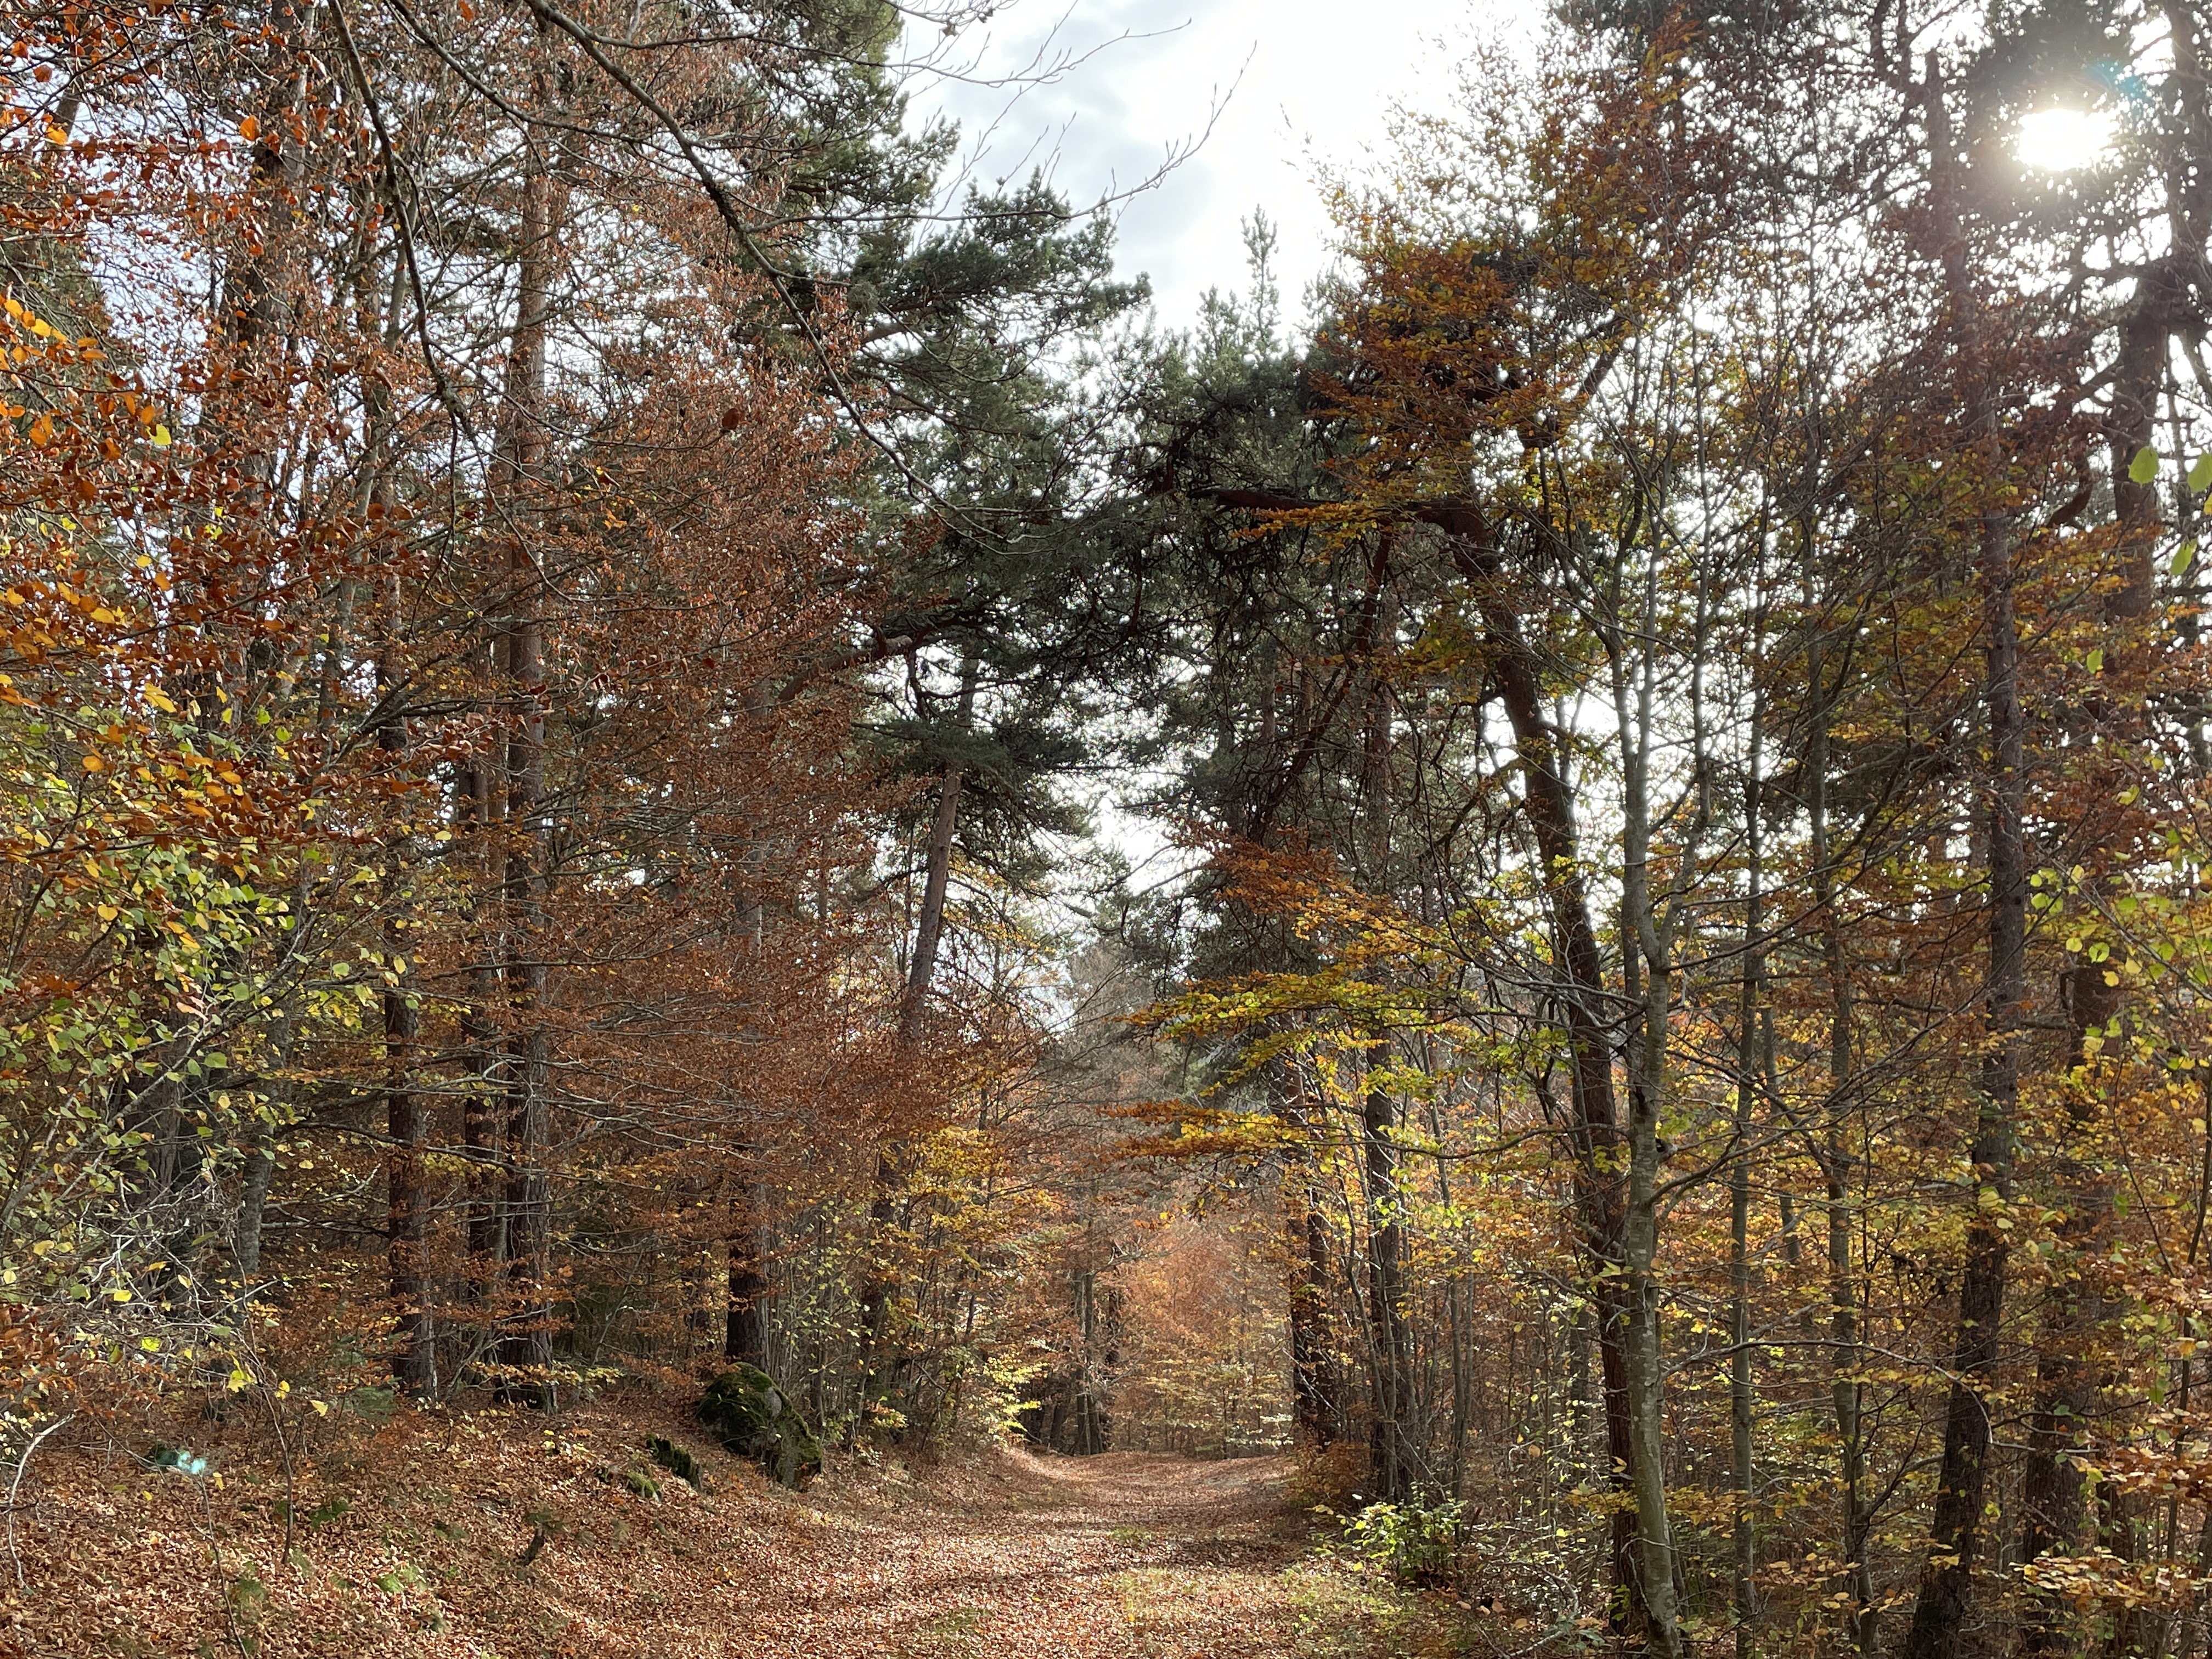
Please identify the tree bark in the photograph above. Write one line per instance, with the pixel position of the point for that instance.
(414, 1360)
(1595, 1132)
(1316, 1411)
(1391, 1449)
(1745, 1539)
(745, 1335)
(2074, 1307)
(527, 1350)
(1944, 1601)
(879, 1287)
(1390, 1446)
(1649, 930)
(929, 926)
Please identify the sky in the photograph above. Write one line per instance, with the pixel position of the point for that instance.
(1269, 91)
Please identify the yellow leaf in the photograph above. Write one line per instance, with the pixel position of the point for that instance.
(93, 764)
(161, 437)
(238, 1379)
(150, 1343)
(322, 1407)
(107, 912)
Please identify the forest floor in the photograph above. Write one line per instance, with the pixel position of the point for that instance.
(415, 1536)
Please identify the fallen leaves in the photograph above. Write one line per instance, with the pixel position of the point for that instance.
(413, 1536)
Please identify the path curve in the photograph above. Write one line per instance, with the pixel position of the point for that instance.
(1123, 1554)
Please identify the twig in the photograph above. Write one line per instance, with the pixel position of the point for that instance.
(222, 1586)
(16, 1486)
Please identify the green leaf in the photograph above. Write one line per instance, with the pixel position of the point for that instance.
(2097, 660)
(2144, 467)
(2184, 556)
(2200, 476)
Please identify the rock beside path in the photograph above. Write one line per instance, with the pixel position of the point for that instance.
(753, 1418)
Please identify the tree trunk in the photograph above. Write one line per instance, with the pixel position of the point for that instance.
(1747, 1089)
(1944, 1602)
(879, 1287)
(1595, 1131)
(1388, 1440)
(2075, 1306)
(528, 1349)
(253, 1204)
(929, 927)
(1643, 1350)
(1315, 1409)
(413, 1360)
(745, 1335)
(1831, 1151)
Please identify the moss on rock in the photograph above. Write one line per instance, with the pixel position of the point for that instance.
(752, 1417)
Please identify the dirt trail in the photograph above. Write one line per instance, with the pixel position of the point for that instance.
(1122, 1554)
(496, 1535)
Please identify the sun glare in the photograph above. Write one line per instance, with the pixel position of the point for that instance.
(2060, 140)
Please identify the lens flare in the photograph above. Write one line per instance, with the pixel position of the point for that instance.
(2061, 140)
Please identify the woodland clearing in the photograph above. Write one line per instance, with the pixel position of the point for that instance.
(411, 1535)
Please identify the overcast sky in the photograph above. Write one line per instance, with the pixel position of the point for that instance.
(1297, 84)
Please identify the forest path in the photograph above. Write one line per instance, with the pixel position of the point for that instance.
(492, 1535)
(1124, 1554)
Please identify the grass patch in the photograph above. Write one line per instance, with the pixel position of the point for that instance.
(1344, 1615)
(948, 1636)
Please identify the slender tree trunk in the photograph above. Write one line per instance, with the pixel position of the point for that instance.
(253, 317)
(1650, 934)
(1388, 1443)
(2075, 1306)
(528, 1350)
(1389, 1439)
(2052, 1495)
(1944, 1603)
(929, 926)
(483, 1114)
(879, 1287)
(1747, 1093)
(253, 1205)
(1831, 1148)
(413, 1362)
(1596, 1133)
(1315, 1410)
